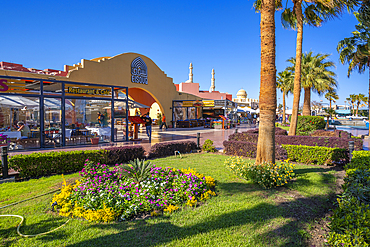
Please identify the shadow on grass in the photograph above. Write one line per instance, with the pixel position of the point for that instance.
(299, 211)
(9, 235)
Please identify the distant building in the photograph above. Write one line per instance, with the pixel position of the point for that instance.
(242, 100)
(193, 88)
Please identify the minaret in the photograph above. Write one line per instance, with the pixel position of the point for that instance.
(213, 87)
(190, 74)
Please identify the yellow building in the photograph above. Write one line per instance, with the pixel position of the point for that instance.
(75, 96)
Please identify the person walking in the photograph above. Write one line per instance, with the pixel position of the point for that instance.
(148, 126)
(163, 122)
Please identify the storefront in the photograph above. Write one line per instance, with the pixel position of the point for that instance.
(207, 110)
(61, 108)
(61, 113)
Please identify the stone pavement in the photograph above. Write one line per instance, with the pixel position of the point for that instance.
(158, 136)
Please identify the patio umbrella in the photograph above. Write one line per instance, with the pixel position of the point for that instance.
(131, 104)
(17, 101)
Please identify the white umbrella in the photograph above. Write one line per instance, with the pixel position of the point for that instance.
(131, 104)
(7, 102)
(17, 101)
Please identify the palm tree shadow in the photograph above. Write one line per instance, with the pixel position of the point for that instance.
(297, 212)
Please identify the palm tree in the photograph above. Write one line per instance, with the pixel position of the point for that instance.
(359, 99)
(314, 13)
(331, 95)
(329, 112)
(352, 100)
(267, 98)
(355, 50)
(284, 82)
(315, 75)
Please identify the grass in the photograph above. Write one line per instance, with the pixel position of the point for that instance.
(282, 126)
(242, 214)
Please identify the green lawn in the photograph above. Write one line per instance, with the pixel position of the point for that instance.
(242, 214)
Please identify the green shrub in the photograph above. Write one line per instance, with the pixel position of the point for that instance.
(208, 146)
(307, 124)
(267, 175)
(137, 170)
(315, 154)
(45, 164)
(350, 225)
(360, 160)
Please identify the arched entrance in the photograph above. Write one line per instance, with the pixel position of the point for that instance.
(144, 97)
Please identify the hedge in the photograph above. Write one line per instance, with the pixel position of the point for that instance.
(360, 160)
(249, 149)
(350, 223)
(315, 154)
(36, 165)
(308, 124)
(278, 131)
(118, 155)
(168, 148)
(58, 162)
(331, 142)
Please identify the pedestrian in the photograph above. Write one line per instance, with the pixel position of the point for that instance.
(163, 122)
(148, 126)
(101, 119)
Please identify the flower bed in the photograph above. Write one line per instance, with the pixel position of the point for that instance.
(106, 195)
(267, 175)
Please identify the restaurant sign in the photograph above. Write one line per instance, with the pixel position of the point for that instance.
(139, 71)
(196, 103)
(208, 103)
(91, 91)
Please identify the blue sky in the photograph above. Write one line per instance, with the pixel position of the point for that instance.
(223, 35)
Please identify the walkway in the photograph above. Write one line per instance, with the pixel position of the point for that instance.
(159, 136)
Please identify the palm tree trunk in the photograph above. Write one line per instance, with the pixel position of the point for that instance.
(297, 75)
(284, 118)
(368, 66)
(357, 109)
(267, 98)
(307, 102)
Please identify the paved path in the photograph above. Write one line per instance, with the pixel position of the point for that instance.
(159, 136)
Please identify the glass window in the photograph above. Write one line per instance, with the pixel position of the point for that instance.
(120, 93)
(52, 88)
(20, 121)
(87, 90)
(87, 118)
(19, 86)
(53, 122)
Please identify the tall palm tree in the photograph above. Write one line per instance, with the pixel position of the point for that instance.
(359, 99)
(315, 75)
(313, 13)
(267, 97)
(355, 50)
(285, 82)
(351, 100)
(331, 95)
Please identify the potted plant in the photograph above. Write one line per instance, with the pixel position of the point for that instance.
(3, 140)
(95, 139)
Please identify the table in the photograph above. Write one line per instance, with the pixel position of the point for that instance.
(12, 134)
(100, 131)
(68, 134)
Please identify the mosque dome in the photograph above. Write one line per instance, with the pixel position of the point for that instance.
(241, 94)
